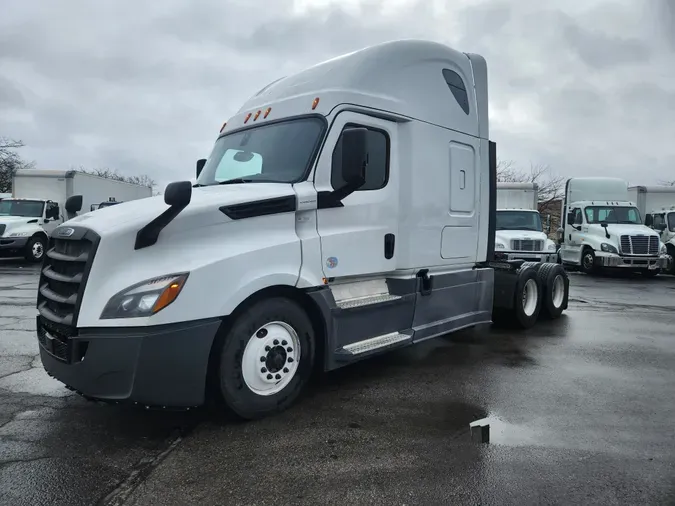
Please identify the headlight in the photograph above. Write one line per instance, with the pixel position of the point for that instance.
(499, 245)
(145, 298)
(551, 247)
(608, 248)
(664, 249)
(18, 234)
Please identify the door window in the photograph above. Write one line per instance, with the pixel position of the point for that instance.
(578, 217)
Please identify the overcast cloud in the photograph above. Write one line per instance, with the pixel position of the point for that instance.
(587, 86)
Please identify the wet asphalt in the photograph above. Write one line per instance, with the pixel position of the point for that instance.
(581, 411)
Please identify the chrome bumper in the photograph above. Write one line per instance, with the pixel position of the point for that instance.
(528, 256)
(633, 262)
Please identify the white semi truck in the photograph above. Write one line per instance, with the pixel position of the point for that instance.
(602, 228)
(344, 211)
(657, 205)
(36, 206)
(520, 232)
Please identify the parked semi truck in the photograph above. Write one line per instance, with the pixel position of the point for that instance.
(604, 229)
(344, 211)
(520, 232)
(657, 205)
(36, 206)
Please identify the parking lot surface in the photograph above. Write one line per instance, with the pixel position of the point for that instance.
(581, 411)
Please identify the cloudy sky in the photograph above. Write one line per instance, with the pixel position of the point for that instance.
(586, 86)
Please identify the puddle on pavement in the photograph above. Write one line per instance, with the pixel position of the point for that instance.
(510, 434)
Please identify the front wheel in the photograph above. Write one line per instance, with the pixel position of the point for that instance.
(588, 261)
(35, 249)
(266, 358)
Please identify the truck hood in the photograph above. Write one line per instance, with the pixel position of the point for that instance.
(202, 210)
(6, 220)
(617, 230)
(508, 235)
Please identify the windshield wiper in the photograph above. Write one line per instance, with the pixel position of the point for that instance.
(250, 180)
(236, 180)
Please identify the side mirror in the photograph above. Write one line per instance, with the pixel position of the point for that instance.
(74, 204)
(178, 194)
(649, 220)
(200, 165)
(354, 157)
(570, 218)
(603, 224)
(661, 226)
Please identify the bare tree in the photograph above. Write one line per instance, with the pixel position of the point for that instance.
(10, 162)
(551, 186)
(143, 179)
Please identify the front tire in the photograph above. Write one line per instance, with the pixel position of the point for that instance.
(35, 249)
(588, 261)
(266, 358)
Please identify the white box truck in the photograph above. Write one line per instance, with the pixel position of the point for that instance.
(344, 211)
(520, 232)
(657, 205)
(36, 206)
(604, 229)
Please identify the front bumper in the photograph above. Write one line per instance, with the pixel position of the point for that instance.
(528, 256)
(163, 366)
(13, 243)
(632, 262)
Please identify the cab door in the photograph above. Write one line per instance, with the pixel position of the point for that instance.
(359, 234)
(571, 248)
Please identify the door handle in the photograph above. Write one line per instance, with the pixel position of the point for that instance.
(462, 184)
(389, 243)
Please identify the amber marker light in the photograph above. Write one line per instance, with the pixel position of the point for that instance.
(315, 103)
(248, 117)
(169, 294)
(267, 112)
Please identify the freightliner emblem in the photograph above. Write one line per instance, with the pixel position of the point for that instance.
(66, 232)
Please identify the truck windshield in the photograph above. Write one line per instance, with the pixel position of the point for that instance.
(671, 221)
(279, 152)
(519, 220)
(27, 208)
(613, 214)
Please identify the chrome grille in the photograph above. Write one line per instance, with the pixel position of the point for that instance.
(526, 245)
(639, 245)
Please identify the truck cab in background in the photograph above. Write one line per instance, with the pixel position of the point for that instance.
(26, 224)
(663, 222)
(37, 206)
(520, 234)
(657, 205)
(603, 229)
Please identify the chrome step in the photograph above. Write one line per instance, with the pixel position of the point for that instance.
(367, 300)
(375, 343)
